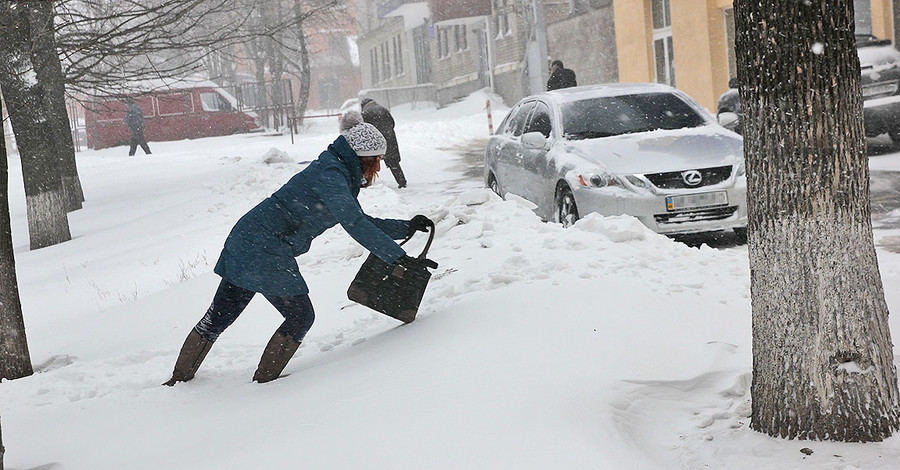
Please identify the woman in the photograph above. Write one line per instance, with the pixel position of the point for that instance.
(259, 252)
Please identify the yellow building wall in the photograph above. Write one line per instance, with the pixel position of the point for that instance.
(698, 37)
(634, 40)
(882, 19)
(701, 61)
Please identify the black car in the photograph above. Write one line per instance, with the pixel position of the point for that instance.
(880, 75)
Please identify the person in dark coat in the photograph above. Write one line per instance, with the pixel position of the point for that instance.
(381, 118)
(560, 77)
(258, 256)
(134, 119)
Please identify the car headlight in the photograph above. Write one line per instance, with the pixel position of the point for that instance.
(596, 180)
(741, 169)
(636, 182)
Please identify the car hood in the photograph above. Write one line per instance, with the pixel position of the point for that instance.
(660, 151)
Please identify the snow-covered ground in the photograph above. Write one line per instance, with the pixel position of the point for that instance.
(604, 346)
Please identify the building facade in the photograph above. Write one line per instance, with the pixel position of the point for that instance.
(690, 43)
(442, 50)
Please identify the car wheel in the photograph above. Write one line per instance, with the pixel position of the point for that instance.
(494, 185)
(566, 210)
(741, 234)
(895, 136)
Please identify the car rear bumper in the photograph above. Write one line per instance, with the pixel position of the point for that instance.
(882, 115)
(651, 209)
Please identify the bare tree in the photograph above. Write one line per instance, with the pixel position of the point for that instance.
(15, 361)
(822, 355)
(26, 100)
(48, 72)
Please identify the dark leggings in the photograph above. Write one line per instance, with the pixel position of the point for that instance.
(230, 300)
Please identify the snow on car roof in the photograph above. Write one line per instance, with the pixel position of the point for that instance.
(609, 89)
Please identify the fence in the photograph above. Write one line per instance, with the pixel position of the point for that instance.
(272, 101)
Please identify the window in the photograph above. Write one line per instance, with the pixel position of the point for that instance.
(385, 61)
(540, 120)
(115, 110)
(504, 126)
(174, 103)
(462, 42)
(517, 123)
(212, 101)
(501, 10)
(627, 114)
(662, 42)
(398, 54)
(443, 42)
(373, 55)
(729, 42)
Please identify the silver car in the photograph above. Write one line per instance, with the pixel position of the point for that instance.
(645, 150)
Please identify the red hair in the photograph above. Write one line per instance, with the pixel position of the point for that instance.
(370, 168)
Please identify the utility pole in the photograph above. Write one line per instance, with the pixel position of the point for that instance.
(535, 47)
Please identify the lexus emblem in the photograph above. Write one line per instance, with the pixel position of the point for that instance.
(691, 177)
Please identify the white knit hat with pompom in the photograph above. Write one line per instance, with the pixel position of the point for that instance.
(365, 140)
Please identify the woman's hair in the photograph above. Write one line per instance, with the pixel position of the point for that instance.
(370, 168)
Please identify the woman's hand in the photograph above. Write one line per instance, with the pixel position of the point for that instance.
(419, 223)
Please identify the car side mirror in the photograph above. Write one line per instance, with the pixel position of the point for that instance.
(728, 119)
(534, 140)
(733, 83)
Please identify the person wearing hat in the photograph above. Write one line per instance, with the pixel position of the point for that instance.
(258, 256)
(381, 118)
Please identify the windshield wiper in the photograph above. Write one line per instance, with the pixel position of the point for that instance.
(588, 135)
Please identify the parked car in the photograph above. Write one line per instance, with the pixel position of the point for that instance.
(198, 109)
(646, 150)
(879, 64)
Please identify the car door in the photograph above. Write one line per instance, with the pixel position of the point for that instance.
(493, 156)
(534, 165)
(510, 173)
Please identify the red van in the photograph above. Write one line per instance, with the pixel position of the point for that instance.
(199, 110)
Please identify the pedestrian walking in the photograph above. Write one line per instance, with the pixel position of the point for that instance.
(377, 115)
(134, 119)
(560, 77)
(259, 253)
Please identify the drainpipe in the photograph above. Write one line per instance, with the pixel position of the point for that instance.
(489, 39)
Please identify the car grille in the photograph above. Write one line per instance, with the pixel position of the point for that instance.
(674, 180)
(695, 216)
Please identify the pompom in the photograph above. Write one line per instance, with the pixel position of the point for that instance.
(350, 119)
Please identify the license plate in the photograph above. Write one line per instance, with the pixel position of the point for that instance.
(694, 201)
(880, 89)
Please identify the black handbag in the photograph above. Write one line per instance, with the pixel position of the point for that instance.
(390, 289)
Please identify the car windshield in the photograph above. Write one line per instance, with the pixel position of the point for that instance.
(627, 114)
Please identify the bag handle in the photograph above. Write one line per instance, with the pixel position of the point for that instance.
(430, 225)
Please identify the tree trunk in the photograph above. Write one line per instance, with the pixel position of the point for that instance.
(24, 94)
(2, 450)
(305, 75)
(49, 73)
(822, 354)
(15, 361)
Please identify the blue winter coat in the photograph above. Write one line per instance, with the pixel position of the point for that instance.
(260, 250)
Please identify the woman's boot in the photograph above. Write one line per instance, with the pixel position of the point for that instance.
(275, 357)
(192, 354)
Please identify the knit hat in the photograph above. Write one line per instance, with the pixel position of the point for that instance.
(365, 140)
(350, 119)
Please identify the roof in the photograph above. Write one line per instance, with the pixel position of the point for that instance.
(609, 89)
